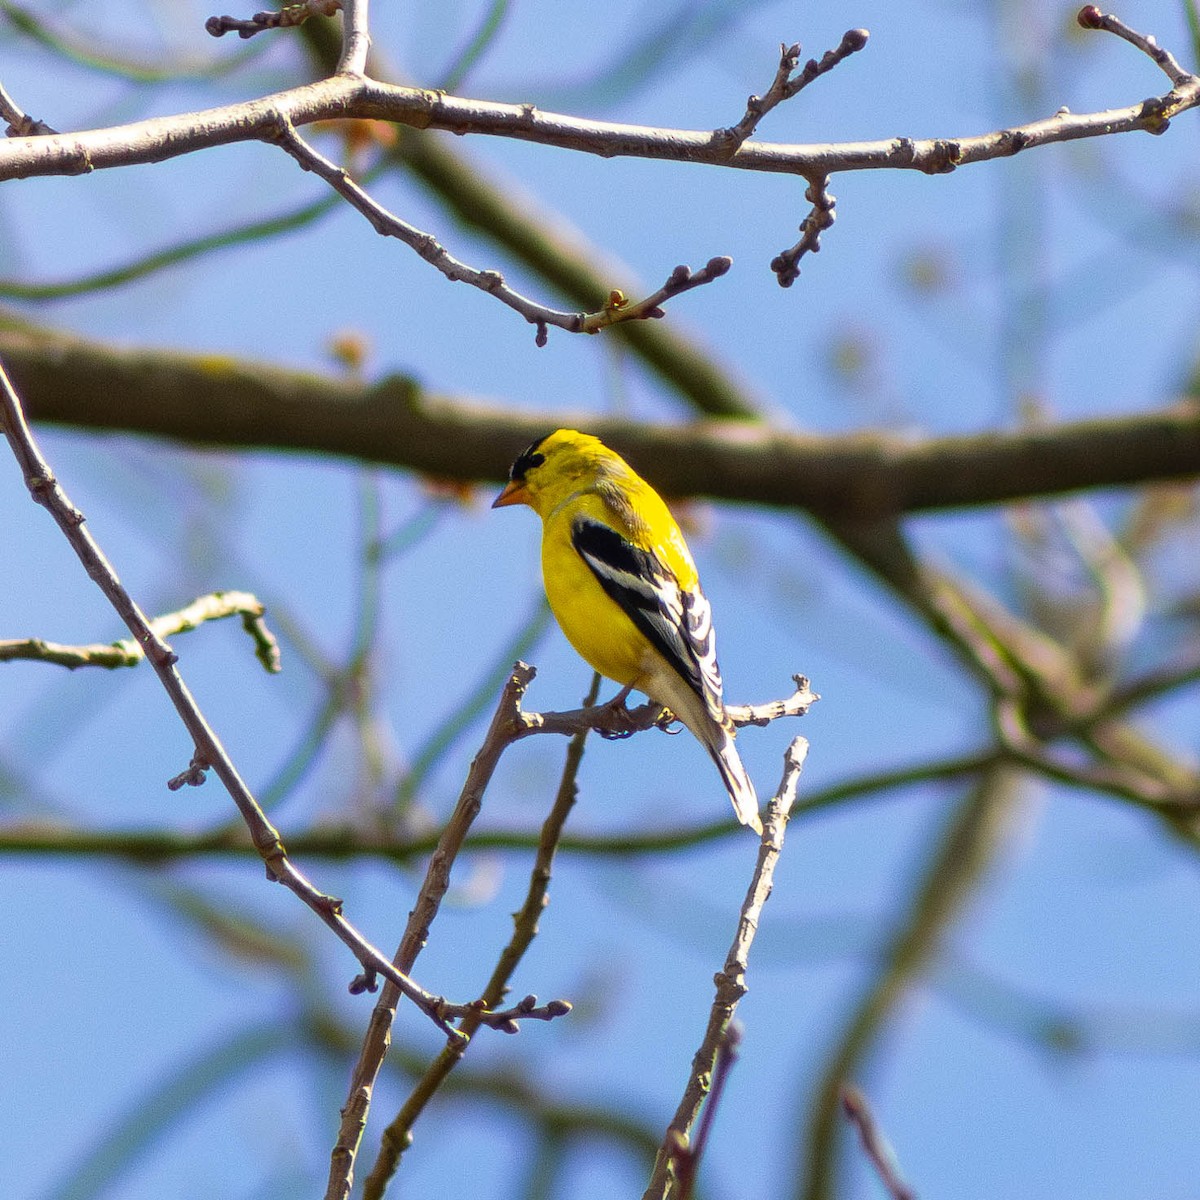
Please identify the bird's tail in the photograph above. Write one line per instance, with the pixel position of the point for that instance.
(737, 782)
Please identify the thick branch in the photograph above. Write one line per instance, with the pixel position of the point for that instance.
(223, 402)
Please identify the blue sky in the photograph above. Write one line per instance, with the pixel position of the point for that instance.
(1069, 277)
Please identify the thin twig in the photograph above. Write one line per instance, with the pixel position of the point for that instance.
(620, 722)
(387, 224)
(1114, 775)
(285, 18)
(795, 705)
(1153, 685)
(731, 980)
(351, 95)
(682, 279)
(784, 86)
(19, 123)
(1090, 17)
(786, 264)
(350, 843)
(875, 1145)
(688, 1158)
(127, 653)
(356, 38)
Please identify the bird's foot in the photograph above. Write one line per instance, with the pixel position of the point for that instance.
(666, 719)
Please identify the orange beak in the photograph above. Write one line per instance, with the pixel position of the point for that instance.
(514, 493)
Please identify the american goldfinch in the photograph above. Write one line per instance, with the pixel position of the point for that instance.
(623, 587)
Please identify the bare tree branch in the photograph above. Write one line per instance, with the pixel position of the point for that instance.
(397, 1137)
(18, 122)
(160, 139)
(784, 86)
(356, 38)
(1090, 17)
(821, 216)
(350, 94)
(287, 17)
(52, 838)
(506, 727)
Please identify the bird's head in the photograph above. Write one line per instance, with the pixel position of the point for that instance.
(553, 467)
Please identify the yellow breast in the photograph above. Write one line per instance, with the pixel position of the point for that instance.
(592, 622)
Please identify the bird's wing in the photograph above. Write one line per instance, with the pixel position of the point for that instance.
(676, 621)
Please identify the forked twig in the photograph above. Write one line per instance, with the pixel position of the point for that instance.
(507, 725)
(399, 1133)
(19, 123)
(208, 753)
(687, 1158)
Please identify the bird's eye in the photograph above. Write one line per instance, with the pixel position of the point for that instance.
(527, 462)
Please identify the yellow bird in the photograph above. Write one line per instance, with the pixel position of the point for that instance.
(624, 589)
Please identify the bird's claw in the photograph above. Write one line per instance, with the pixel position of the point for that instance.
(619, 720)
(616, 735)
